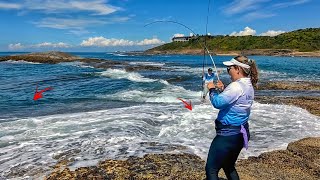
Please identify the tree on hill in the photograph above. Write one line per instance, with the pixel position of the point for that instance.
(302, 40)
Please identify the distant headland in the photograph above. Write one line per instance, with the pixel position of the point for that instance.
(301, 43)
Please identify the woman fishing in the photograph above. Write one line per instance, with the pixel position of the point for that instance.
(232, 127)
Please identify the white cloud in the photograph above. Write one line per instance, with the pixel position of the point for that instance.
(272, 33)
(289, 3)
(104, 42)
(19, 46)
(98, 7)
(178, 35)
(77, 13)
(257, 15)
(79, 32)
(51, 45)
(246, 32)
(257, 9)
(59, 23)
(4, 5)
(16, 46)
(76, 23)
(150, 41)
(240, 6)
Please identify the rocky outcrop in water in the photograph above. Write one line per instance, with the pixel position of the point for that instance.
(301, 160)
(51, 57)
(310, 103)
(287, 85)
(54, 57)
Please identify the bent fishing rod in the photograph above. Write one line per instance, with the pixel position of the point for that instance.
(197, 38)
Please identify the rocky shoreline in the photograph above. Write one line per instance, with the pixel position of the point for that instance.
(310, 103)
(299, 161)
(54, 57)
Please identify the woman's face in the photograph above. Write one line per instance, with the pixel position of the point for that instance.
(233, 72)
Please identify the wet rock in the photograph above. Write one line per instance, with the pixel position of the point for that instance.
(309, 150)
(162, 147)
(152, 166)
(142, 67)
(54, 57)
(66, 154)
(311, 104)
(298, 85)
(51, 57)
(299, 161)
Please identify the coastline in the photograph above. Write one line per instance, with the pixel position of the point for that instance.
(297, 165)
(255, 52)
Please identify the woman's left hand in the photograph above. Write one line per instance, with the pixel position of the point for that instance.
(220, 85)
(211, 85)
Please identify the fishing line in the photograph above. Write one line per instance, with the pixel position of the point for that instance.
(202, 45)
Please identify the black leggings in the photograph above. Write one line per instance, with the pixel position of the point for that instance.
(223, 153)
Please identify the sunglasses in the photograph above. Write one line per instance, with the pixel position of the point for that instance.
(229, 68)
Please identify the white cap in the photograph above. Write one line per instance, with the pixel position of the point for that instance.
(235, 62)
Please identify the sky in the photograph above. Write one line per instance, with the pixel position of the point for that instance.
(124, 25)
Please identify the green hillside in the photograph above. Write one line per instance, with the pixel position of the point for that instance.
(304, 40)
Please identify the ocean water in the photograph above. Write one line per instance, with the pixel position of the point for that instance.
(94, 114)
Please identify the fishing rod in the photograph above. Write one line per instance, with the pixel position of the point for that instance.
(202, 45)
(204, 53)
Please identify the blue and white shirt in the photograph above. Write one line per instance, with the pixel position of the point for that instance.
(208, 78)
(234, 102)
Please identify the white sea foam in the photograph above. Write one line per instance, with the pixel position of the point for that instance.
(168, 94)
(266, 75)
(123, 132)
(122, 74)
(157, 64)
(20, 62)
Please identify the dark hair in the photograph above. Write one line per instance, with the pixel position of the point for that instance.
(252, 71)
(209, 69)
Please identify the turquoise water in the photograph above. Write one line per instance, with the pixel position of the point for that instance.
(112, 113)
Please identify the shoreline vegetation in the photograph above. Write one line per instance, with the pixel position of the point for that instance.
(299, 161)
(254, 52)
(302, 43)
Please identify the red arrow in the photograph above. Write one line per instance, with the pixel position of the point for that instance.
(38, 94)
(187, 105)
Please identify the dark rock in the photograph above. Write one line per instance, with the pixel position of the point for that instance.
(281, 85)
(311, 104)
(285, 164)
(54, 57)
